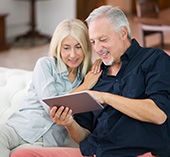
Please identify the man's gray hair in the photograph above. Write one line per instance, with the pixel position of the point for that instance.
(117, 18)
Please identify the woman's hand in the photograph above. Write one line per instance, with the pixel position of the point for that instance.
(96, 66)
(61, 115)
(90, 79)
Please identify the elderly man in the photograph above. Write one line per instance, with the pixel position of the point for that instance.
(134, 89)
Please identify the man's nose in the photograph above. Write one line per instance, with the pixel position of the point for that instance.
(97, 47)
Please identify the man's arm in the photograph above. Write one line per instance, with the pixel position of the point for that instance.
(141, 109)
(62, 116)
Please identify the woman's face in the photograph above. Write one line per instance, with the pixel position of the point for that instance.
(71, 52)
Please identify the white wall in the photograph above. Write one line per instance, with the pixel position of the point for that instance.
(48, 14)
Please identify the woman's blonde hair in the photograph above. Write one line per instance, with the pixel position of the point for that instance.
(78, 30)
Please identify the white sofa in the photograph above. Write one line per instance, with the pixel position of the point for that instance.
(14, 84)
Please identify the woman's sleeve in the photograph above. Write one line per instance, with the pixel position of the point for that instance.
(43, 79)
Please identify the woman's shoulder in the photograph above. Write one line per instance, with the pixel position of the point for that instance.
(46, 59)
(46, 62)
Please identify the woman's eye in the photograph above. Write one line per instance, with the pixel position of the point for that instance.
(78, 47)
(65, 48)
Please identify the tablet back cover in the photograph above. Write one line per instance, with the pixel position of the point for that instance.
(79, 102)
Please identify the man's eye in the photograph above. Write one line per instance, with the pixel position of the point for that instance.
(102, 40)
(92, 42)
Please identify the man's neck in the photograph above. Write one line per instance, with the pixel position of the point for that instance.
(114, 69)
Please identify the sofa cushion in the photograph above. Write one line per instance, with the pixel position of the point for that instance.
(14, 84)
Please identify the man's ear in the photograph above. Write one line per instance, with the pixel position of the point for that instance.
(124, 33)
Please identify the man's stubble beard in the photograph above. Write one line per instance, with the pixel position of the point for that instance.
(109, 63)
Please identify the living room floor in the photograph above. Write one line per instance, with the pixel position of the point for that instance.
(26, 57)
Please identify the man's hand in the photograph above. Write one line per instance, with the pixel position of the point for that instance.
(97, 96)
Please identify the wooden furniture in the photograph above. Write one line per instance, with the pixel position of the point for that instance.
(84, 7)
(33, 33)
(164, 4)
(151, 19)
(3, 45)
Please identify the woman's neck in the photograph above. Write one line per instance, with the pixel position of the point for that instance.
(72, 74)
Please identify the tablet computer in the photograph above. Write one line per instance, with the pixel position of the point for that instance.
(79, 102)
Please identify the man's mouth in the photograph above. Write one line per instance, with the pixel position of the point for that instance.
(103, 52)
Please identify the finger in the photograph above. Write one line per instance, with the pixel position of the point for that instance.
(93, 66)
(68, 118)
(59, 112)
(97, 75)
(64, 114)
(96, 66)
(100, 73)
(94, 69)
(69, 114)
(55, 116)
(53, 111)
(99, 66)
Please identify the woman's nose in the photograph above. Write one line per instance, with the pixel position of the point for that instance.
(72, 53)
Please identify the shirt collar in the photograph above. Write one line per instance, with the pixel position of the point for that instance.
(131, 51)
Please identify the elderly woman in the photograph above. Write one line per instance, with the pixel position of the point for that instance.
(61, 73)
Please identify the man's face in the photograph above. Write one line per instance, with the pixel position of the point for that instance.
(106, 41)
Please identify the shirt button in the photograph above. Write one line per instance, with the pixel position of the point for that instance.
(45, 128)
(117, 80)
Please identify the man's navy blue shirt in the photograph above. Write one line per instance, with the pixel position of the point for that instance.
(144, 74)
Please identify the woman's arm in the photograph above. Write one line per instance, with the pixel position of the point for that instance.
(89, 81)
(91, 77)
(62, 116)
